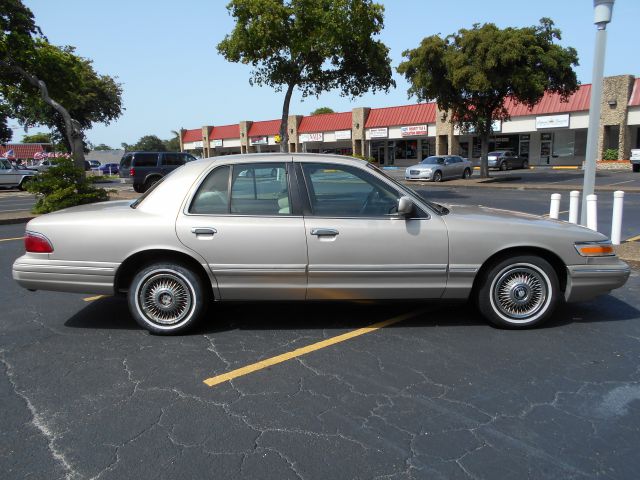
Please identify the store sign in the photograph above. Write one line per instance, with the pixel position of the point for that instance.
(552, 121)
(343, 135)
(413, 130)
(277, 138)
(259, 140)
(196, 144)
(311, 137)
(382, 132)
(217, 143)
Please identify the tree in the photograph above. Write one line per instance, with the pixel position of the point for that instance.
(147, 143)
(322, 110)
(37, 138)
(173, 144)
(314, 45)
(102, 147)
(42, 84)
(473, 72)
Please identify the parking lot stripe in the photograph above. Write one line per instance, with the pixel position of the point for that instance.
(620, 183)
(225, 377)
(11, 239)
(633, 239)
(91, 299)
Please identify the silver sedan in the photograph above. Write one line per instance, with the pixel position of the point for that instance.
(309, 227)
(439, 167)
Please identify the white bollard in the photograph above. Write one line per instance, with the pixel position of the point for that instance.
(554, 209)
(574, 206)
(616, 220)
(592, 212)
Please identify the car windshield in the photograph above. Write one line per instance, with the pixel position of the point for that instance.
(441, 210)
(433, 161)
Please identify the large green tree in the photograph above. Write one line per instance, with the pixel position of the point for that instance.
(37, 138)
(43, 84)
(471, 73)
(312, 45)
(322, 111)
(147, 143)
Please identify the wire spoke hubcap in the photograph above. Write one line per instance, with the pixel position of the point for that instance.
(520, 292)
(165, 298)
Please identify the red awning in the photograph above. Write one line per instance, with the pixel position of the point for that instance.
(325, 122)
(404, 115)
(23, 151)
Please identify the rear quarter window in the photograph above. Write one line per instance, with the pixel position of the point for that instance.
(125, 162)
(145, 160)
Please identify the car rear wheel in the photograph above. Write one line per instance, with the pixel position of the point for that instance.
(138, 188)
(437, 177)
(525, 164)
(150, 182)
(167, 298)
(467, 173)
(519, 292)
(503, 166)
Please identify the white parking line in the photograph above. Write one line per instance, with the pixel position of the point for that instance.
(620, 183)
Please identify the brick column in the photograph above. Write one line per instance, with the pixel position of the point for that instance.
(206, 146)
(616, 92)
(245, 147)
(358, 120)
(445, 144)
(293, 122)
(182, 130)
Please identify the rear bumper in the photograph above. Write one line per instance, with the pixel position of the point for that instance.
(585, 282)
(41, 273)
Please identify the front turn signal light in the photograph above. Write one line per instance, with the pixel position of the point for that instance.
(37, 243)
(595, 249)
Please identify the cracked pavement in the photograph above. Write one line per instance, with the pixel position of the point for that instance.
(86, 394)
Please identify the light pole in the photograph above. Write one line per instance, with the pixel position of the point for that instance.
(602, 15)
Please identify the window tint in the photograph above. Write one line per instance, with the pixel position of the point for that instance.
(260, 189)
(172, 159)
(187, 158)
(145, 160)
(213, 195)
(342, 191)
(126, 161)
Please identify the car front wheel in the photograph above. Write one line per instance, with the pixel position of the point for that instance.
(437, 177)
(503, 166)
(519, 292)
(167, 298)
(467, 173)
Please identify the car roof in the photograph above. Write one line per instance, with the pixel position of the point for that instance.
(282, 157)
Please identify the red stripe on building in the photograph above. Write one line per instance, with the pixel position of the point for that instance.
(404, 115)
(225, 131)
(634, 101)
(552, 103)
(194, 135)
(22, 150)
(325, 122)
(264, 128)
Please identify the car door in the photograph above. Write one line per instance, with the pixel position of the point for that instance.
(358, 248)
(9, 176)
(244, 221)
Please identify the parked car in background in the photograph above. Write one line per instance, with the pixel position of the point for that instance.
(506, 160)
(12, 176)
(323, 228)
(45, 164)
(439, 167)
(95, 164)
(635, 159)
(110, 168)
(143, 169)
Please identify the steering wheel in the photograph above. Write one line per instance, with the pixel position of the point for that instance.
(373, 194)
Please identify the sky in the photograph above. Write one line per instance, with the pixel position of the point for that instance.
(164, 54)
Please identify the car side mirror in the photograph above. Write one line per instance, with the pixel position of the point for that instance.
(405, 206)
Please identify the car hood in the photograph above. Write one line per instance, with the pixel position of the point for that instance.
(421, 166)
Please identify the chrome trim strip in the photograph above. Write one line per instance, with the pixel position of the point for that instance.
(398, 268)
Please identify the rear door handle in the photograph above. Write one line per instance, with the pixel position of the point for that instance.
(204, 230)
(324, 231)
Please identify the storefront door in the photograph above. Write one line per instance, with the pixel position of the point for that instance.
(546, 147)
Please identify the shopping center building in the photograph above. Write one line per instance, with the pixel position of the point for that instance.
(552, 133)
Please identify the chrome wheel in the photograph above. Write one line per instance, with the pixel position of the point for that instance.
(165, 298)
(520, 293)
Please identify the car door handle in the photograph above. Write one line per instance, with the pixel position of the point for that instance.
(324, 232)
(204, 231)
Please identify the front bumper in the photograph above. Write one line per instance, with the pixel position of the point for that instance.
(38, 272)
(585, 282)
(418, 175)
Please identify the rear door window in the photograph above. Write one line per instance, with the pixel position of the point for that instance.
(260, 189)
(146, 160)
(172, 159)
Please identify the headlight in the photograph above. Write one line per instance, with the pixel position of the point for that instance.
(427, 170)
(595, 249)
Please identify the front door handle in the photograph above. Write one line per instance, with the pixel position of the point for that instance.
(332, 232)
(203, 231)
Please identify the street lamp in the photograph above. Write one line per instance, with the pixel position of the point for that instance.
(602, 16)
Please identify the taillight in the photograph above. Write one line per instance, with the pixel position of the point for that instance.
(132, 172)
(36, 243)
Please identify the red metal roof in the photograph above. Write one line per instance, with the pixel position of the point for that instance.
(403, 115)
(325, 122)
(551, 103)
(22, 150)
(225, 131)
(264, 128)
(634, 101)
(194, 135)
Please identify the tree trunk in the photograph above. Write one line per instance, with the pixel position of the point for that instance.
(72, 127)
(284, 129)
(484, 156)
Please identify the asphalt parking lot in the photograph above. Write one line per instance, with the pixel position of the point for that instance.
(87, 394)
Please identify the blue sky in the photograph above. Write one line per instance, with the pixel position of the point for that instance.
(164, 54)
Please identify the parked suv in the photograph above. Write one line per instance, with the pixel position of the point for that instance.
(506, 160)
(143, 169)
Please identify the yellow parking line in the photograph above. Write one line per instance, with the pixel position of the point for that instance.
(304, 350)
(11, 239)
(91, 299)
(559, 167)
(633, 239)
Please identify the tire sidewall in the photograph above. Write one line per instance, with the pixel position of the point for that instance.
(196, 290)
(485, 293)
(466, 174)
(437, 177)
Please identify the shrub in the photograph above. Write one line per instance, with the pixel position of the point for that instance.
(64, 185)
(362, 157)
(610, 154)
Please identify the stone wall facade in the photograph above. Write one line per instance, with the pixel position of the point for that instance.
(614, 111)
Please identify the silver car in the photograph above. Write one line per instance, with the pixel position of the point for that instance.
(12, 176)
(439, 167)
(321, 228)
